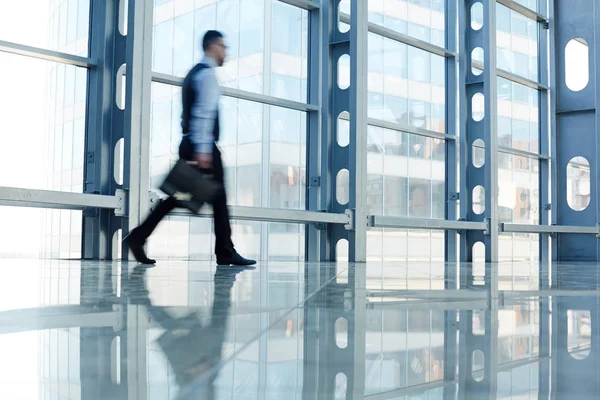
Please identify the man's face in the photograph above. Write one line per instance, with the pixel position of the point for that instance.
(220, 51)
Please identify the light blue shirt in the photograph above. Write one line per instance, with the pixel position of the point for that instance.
(205, 108)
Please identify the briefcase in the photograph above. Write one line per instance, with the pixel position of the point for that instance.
(191, 186)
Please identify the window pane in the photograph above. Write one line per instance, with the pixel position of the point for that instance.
(406, 85)
(517, 43)
(518, 125)
(62, 27)
(422, 19)
(178, 32)
(45, 100)
(243, 139)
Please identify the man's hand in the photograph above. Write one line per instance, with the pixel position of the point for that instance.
(204, 160)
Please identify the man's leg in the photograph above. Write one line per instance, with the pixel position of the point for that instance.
(224, 249)
(137, 238)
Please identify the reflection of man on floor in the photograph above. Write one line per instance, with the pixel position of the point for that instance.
(193, 351)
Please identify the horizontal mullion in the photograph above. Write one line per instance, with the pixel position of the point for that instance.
(402, 38)
(19, 197)
(409, 129)
(394, 126)
(44, 54)
(523, 228)
(524, 11)
(242, 94)
(275, 215)
(304, 4)
(513, 77)
(382, 221)
(517, 152)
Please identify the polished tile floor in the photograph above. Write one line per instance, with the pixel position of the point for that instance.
(191, 330)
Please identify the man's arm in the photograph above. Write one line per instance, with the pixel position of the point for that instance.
(204, 111)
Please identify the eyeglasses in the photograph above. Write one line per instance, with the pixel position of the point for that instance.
(222, 45)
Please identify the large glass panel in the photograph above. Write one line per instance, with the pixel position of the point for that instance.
(406, 85)
(518, 117)
(44, 118)
(518, 202)
(422, 19)
(263, 146)
(406, 174)
(54, 25)
(517, 43)
(179, 28)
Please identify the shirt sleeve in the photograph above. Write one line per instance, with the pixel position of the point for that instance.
(204, 110)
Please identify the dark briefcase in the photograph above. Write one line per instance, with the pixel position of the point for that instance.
(191, 186)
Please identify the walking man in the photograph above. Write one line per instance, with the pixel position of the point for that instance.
(200, 126)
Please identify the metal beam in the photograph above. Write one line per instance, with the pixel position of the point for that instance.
(10, 196)
(521, 9)
(242, 94)
(402, 38)
(408, 129)
(513, 77)
(44, 54)
(304, 4)
(522, 228)
(136, 176)
(276, 215)
(382, 221)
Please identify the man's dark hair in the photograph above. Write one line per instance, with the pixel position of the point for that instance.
(210, 37)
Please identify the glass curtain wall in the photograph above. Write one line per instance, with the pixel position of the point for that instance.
(264, 147)
(42, 123)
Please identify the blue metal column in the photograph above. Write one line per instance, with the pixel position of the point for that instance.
(577, 126)
(577, 120)
(478, 93)
(547, 183)
(104, 127)
(352, 157)
(136, 175)
(451, 237)
(319, 139)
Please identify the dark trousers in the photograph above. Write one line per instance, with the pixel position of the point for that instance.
(223, 243)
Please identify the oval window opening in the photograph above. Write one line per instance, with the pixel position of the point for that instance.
(341, 250)
(341, 333)
(343, 10)
(577, 64)
(341, 386)
(477, 107)
(580, 333)
(478, 257)
(477, 365)
(477, 16)
(344, 72)
(478, 199)
(578, 183)
(343, 129)
(477, 61)
(342, 187)
(478, 153)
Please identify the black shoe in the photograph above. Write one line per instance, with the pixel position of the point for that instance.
(236, 260)
(136, 245)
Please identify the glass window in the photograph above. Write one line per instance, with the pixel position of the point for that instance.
(50, 26)
(48, 134)
(287, 23)
(251, 27)
(163, 47)
(183, 44)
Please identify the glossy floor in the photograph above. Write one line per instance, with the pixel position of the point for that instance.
(190, 330)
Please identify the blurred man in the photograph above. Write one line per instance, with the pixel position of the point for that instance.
(200, 126)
